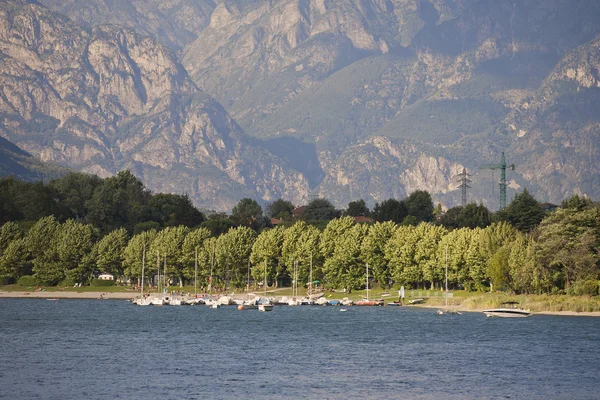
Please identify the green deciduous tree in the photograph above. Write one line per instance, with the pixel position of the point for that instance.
(8, 232)
(320, 209)
(357, 209)
(420, 205)
(74, 190)
(524, 212)
(233, 254)
(71, 254)
(110, 252)
(469, 216)
(134, 252)
(390, 210)
(14, 261)
(346, 267)
(169, 245)
(174, 210)
(567, 249)
(267, 250)
(373, 251)
(280, 209)
(246, 212)
(333, 231)
(400, 254)
(197, 242)
(301, 244)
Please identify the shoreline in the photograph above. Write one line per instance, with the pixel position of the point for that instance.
(67, 295)
(132, 295)
(556, 313)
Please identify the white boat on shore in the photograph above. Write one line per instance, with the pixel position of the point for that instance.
(509, 311)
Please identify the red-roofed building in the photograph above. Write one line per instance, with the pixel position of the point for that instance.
(360, 219)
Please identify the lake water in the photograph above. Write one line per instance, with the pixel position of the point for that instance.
(110, 349)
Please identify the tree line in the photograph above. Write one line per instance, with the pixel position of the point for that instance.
(521, 249)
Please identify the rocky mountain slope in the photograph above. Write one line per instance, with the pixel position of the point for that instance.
(23, 166)
(415, 89)
(106, 99)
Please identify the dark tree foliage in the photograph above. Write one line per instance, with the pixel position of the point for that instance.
(145, 226)
(390, 210)
(280, 208)
(524, 212)
(28, 201)
(174, 210)
(320, 210)
(218, 226)
(131, 186)
(8, 207)
(577, 203)
(420, 205)
(358, 209)
(469, 216)
(73, 190)
(246, 212)
(108, 209)
(108, 204)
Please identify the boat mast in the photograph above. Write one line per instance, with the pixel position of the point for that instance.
(296, 276)
(265, 277)
(367, 281)
(196, 273)
(158, 270)
(165, 272)
(446, 276)
(143, 264)
(310, 279)
(248, 281)
(212, 265)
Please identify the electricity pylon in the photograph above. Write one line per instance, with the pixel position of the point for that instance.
(502, 168)
(464, 184)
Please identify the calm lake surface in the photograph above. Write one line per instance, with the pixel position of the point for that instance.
(111, 349)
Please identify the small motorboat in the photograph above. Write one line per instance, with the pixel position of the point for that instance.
(265, 307)
(510, 310)
(369, 303)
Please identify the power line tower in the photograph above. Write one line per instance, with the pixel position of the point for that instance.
(502, 167)
(464, 184)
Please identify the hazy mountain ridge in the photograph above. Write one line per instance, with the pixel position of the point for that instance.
(462, 80)
(108, 98)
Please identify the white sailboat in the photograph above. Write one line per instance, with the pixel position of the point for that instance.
(266, 305)
(447, 310)
(367, 302)
(294, 301)
(143, 300)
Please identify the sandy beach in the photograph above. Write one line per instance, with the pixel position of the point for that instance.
(131, 295)
(68, 295)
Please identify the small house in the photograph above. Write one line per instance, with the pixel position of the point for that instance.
(106, 277)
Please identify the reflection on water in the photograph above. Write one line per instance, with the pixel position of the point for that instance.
(74, 349)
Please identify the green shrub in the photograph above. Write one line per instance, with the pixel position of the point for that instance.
(101, 283)
(6, 280)
(581, 288)
(27, 280)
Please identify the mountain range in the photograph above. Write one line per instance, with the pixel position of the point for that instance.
(349, 99)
